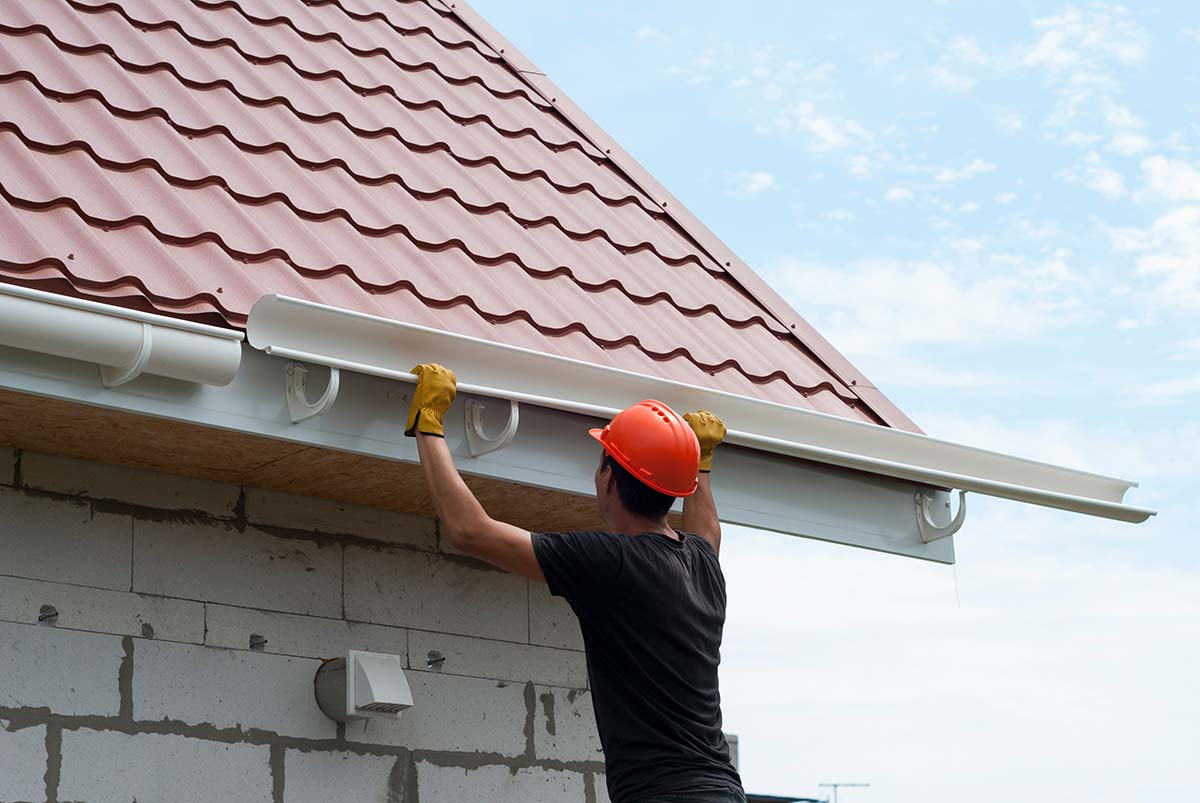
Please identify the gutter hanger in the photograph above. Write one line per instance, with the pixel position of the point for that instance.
(354, 341)
(124, 343)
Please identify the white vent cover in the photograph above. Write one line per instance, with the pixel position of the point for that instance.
(361, 685)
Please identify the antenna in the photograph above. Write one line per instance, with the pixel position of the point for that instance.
(835, 786)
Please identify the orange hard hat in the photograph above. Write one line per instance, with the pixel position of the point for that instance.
(654, 444)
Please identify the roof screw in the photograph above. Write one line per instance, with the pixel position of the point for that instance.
(70, 256)
(434, 660)
(48, 615)
(257, 641)
(727, 264)
(608, 150)
(553, 100)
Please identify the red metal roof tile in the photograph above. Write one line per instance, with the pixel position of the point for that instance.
(377, 156)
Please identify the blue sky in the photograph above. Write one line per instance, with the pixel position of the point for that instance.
(994, 210)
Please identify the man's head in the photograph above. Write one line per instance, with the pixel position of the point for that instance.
(651, 456)
(615, 485)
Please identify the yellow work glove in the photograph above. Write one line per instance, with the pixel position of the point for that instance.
(709, 431)
(435, 391)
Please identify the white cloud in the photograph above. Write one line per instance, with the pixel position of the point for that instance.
(1187, 349)
(1129, 143)
(1171, 179)
(956, 68)
(1079, 53)
(890, 663)
(826, 132)
(1121, 117)
(1076, 38)
(1169, 251)
(969, 207)
(860, 165)
(1005, 197)
(977, 166)
(754, 182)
(883, 306)
(1097, 176)
(838, 215)
(1128, 324)
(1168, 391)
(650, 33)
(899, 194)
(883, 57)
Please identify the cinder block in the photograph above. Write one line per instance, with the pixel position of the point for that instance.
(453, 713)
(564, 728)
(227, 689)
(600, 786)
(279, 509)
(102, 611)
(307, 636)
(216, 563)
(313, 777)
(110, 767)
(64, 541)
(68, 672)
(552, 623)
(131, 485)
(500, 660)
(22, 763)
(434, 592)
(498, 784)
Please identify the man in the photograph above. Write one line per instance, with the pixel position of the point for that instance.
(650, 599)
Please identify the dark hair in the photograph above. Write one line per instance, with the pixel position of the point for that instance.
(638, 497)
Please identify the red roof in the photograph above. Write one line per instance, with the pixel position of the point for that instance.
(388, 156)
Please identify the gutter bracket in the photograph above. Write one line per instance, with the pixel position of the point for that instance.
(929, 530)
(481, 444)
(112, 377)
(299, 407)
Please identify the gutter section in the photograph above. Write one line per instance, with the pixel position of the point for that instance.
(368, 344)
(123, 343)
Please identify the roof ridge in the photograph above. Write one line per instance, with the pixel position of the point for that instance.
(807, 336)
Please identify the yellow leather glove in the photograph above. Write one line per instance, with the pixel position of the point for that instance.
(710, 431)
(435, 391)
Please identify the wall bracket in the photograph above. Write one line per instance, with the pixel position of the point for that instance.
(299, 407)
(929, 530)
(481, 444)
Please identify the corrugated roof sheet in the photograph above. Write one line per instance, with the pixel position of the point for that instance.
(377, 155)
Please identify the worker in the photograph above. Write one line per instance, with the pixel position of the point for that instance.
(650, 599)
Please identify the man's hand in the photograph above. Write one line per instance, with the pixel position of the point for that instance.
(710, 431)
(433, 396)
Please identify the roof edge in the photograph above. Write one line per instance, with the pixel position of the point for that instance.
(763, 293)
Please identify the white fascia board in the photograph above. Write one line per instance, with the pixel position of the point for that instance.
(358, 342)
(124, 343)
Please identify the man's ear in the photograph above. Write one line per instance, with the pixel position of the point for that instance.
(607, 478)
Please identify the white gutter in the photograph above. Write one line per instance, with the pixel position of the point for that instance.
(354, 341)
(124, 343)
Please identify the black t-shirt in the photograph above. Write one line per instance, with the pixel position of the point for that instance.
(651, 610)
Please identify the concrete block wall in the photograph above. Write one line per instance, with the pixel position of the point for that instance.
(129, 604)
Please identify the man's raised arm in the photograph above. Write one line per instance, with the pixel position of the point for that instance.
(462, 521)
(700, 509)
